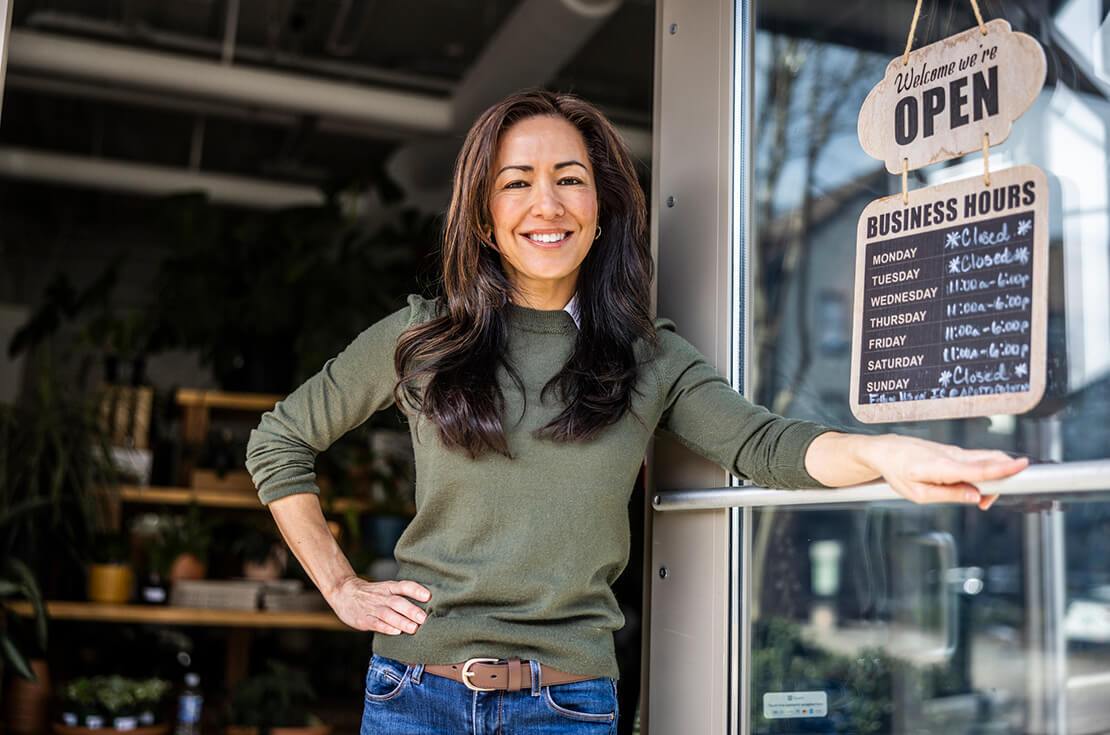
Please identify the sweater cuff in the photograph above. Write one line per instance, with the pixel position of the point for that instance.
(277, 490)
(795, 443)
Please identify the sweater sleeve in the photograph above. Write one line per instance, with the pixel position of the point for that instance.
(704, 413)
(281, 452)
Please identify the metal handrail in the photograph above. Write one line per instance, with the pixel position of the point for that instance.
(1040, 479)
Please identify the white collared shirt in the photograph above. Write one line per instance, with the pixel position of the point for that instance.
(572, 308)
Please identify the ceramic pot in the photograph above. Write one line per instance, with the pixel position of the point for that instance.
(27, 701)
(111, 583)
(187, 566)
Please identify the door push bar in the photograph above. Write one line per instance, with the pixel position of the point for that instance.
(1040, 479)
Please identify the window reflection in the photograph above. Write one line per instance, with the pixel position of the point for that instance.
(914, 619)
(811, 181)
(917, 619)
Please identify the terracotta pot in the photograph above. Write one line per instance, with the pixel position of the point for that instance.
(307, 730)
(27, 701)
(111, 583)
(187, 566)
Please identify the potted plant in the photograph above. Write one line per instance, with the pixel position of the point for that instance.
(263, 552)
(22, 645)
(149, 695)
(54, 456)
(113, 702)
(276, 702)
(111, 578)
(187, 541)
(246, 263)
(78, 702)
(390, 476)
(116, 696)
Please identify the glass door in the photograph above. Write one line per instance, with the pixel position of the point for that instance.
(886, 617)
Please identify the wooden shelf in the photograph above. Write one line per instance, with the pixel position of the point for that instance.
(231, 401)
(221, 499)
(187, 496)
(106, 613)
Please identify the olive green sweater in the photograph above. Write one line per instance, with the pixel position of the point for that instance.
(519, 554)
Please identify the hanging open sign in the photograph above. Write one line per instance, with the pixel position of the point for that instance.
(938, 102)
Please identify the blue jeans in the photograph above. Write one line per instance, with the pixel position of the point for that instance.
(402, 699)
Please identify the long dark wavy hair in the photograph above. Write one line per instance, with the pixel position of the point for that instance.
(456, 355)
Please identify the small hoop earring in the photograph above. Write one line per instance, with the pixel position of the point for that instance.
(598, 232)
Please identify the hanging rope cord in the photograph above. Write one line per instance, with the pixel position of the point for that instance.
(905, 62)
(917, 15)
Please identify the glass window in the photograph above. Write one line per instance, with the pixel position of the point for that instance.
(814, 65)
(909, 618)
(900, 618)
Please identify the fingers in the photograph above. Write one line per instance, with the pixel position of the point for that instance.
(394, 620)
(397, 614)
(926, 492)
(406, 608)
(961, 493)
(411, 589)
(987, 501)
(948, 471)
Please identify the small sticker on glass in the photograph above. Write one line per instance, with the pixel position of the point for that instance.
(784, 705)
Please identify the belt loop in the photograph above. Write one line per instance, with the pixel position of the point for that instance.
(514, 674)
(536, 682)
(417, 671)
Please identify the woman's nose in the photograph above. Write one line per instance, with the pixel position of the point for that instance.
(546, 203)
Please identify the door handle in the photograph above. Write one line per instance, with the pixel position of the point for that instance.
(945, 544)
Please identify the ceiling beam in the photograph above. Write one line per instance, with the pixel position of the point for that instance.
(43, 53)
(138, 178)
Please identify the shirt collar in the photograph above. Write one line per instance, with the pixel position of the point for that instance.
(572, 308)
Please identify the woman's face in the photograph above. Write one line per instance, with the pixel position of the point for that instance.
(544, 205)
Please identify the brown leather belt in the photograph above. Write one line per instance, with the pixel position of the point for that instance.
(487, 674)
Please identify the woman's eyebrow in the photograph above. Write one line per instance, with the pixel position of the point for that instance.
(523, 167)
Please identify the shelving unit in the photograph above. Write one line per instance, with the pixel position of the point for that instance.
(197, 407)
(224, 499)
(240, 623)
(168, 615)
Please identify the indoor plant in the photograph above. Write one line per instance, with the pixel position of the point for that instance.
(53, 457)
(111, 578)
(263, 552)
(22, 645)
(115, 702)
(225, 290)
(276, 702)
(187, 540)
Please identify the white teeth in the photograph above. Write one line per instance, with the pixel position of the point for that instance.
(547, 238)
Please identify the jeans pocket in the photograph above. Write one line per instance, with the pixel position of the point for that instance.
(386, 678)
(590, 700)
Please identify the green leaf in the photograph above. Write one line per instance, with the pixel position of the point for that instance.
(15, 658)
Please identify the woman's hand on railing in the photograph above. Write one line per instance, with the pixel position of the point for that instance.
(929, 472)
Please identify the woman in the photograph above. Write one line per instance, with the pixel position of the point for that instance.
(532, 388)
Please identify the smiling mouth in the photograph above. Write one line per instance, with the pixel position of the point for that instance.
(547, 238)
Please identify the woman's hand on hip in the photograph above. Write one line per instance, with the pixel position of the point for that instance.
(929, 472)
(382, 607)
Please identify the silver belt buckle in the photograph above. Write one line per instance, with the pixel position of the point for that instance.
(467, 673)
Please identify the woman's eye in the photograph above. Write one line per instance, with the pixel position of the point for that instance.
(516, 184)
(571, 179)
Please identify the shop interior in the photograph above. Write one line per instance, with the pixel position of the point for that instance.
(200, 203)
